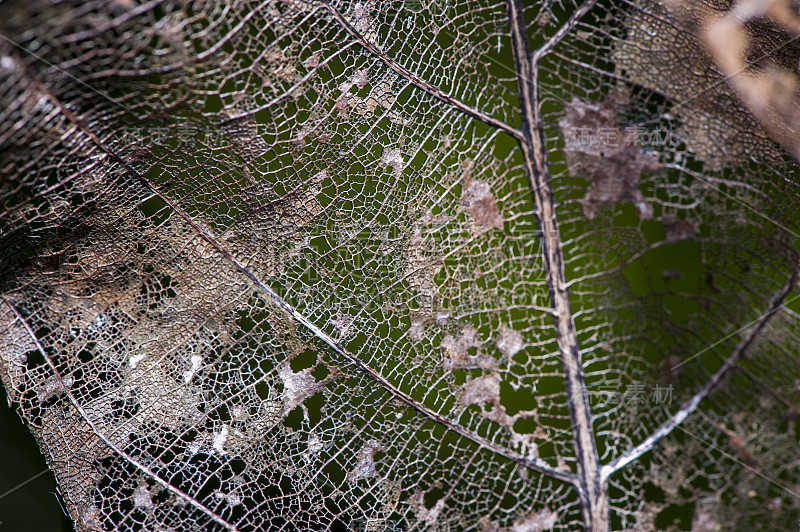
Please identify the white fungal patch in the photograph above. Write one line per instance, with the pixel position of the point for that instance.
(315, 446)
(220, 439)
(135, 359)
(89, 515)
(394, 158)
(456, 349)
(297, 387)
(544, 519)
(362, 21)
(15, 342)
(425, 515)
(53, 387)
(478, 198)
(509, 342)
(197, 363)
(481, 391)
(162, 399)
(99, 323)
(312, 62)
(231, 498)
(344, 324)
(526, 443)
(198, 444)
(142, 498)
(417, 330)
(365, 466)
(239, 411)
(358, 79)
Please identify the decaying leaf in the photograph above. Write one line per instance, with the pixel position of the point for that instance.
(612, 161)
(457, 351)
(771, 94)
(482, 205)
(493, 266)
(537, 521)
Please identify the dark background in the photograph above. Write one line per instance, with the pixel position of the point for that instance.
(34, 506)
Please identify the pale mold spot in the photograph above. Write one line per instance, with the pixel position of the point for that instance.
(456, 351)
(315, 446)
(220, 439)
(197, 362)
(482, 205)
(425, 515)
(53, 387)
(197, 445)
(527, 445)
(311, 62)
(481, 391)
(344, 324)
(508, 341)
(231, 498)
(297, 387)
(239, 411)
(100, 321)
(135, 359)
(365, 466)
(417, 330)
(393, 158)
(89, 516)
(142, 498)
(544, 519)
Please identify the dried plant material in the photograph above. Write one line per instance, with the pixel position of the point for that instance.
(328, 265)
(482, 390)
(677, 230)
(482, 205)
(15, 342)
(772, 94)
(539, 521)
(53, 387)
(365, 466)
(672, 368)
(613, 164)
(297, 387)
(244, 134)
(427, 516)
(661, 53)
(705, 519)
(381, 96)
(457, 351)
(417, 330)
(142, 498)
(509, 342)
(423, 263)
(232, 498)
(162, 399)
(394, 158)
(740, 446)
(360, 16)
(344, 324)
(485, 391)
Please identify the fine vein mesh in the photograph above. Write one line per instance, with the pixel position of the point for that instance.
(257, 273)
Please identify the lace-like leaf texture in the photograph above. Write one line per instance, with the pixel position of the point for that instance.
(306, 265)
